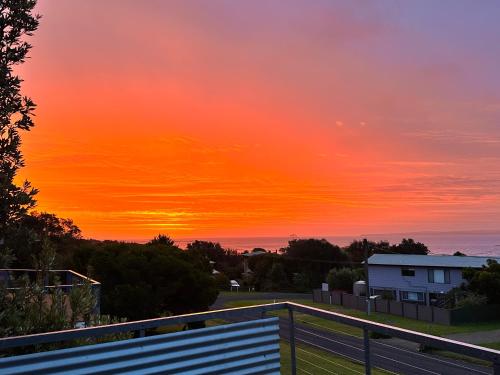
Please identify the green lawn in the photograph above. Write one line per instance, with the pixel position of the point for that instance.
(242, 292)
(394, 320)
(316, 361)
(492, 345)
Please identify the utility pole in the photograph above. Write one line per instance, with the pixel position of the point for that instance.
(367, 282)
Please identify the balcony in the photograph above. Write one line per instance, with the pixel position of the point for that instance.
(64, 280)
(239, 341)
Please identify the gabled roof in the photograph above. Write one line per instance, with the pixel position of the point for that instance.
(430, 260)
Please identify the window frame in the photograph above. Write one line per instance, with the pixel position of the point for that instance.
(431, 276)
(412, 270)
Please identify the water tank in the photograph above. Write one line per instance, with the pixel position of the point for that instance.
(359, 288)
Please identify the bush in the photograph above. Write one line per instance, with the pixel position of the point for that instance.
(222, 282)
(458, 297)
(472, 299)
(146, 281)
(31, 307)
(301, 282)
(342, 279)
(276, 279)
(485, 281)
(313, 258)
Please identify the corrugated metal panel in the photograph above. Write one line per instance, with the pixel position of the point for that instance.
(250, 347)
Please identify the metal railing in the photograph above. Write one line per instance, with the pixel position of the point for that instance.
(62, 280)
(66, 278)
(259, 311)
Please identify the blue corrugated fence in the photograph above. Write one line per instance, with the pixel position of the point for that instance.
(250, 347)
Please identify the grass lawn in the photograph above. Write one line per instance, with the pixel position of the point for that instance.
(492, 345)
(394, 320)
(256, 295)
(316, 361)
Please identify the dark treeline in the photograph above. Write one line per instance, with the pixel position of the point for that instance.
(305, 263)
(148, 280)
(138, 280)
(158, 278)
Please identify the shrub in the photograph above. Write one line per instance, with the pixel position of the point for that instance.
(342, 279)
(222, 282)
(472, 299)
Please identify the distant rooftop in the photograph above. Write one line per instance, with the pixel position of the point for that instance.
(254, 253)
(430, 260)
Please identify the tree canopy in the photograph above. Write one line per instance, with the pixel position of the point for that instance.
(356, 249)
(17, 21)
(409, 246)
(314, 249)
(26, 237)
(140, 281)
(162, 239)
(485, 281)
(226, 261)
(343, 278)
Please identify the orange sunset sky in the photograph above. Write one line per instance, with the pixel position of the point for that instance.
(265, 118)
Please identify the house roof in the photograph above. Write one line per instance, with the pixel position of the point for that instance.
(254, 253)
(430, 260)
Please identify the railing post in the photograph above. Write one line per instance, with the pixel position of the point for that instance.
(366, 341)
(292, 341)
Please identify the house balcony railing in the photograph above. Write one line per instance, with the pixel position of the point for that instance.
(254, 339)
(53, 279)
(64, 280)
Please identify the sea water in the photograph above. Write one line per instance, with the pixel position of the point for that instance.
(486, 244)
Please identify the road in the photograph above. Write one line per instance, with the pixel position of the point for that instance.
(392, 358)
(388, 357)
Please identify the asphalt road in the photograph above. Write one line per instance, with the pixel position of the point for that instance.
(383, 356)
(388, 357)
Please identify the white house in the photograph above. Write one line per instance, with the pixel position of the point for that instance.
(419, 278)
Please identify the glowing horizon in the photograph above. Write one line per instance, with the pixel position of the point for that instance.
(243, 119)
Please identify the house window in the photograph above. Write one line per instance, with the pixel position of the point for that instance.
(407, 272)
(412, 296)
(439, 276)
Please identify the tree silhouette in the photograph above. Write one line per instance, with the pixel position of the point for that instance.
(16, 22)
(162, 239)
(409, 246)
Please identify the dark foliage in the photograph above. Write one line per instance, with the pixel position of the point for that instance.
(162, 239)
(26, 237)
(343, 278)
(222, 282)
(312, 258)
(226, 261)
(356, 250)
(485, 281)
(409, 246)
(17, 21)
(314, 249)
(140, 281)
(276, 279)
